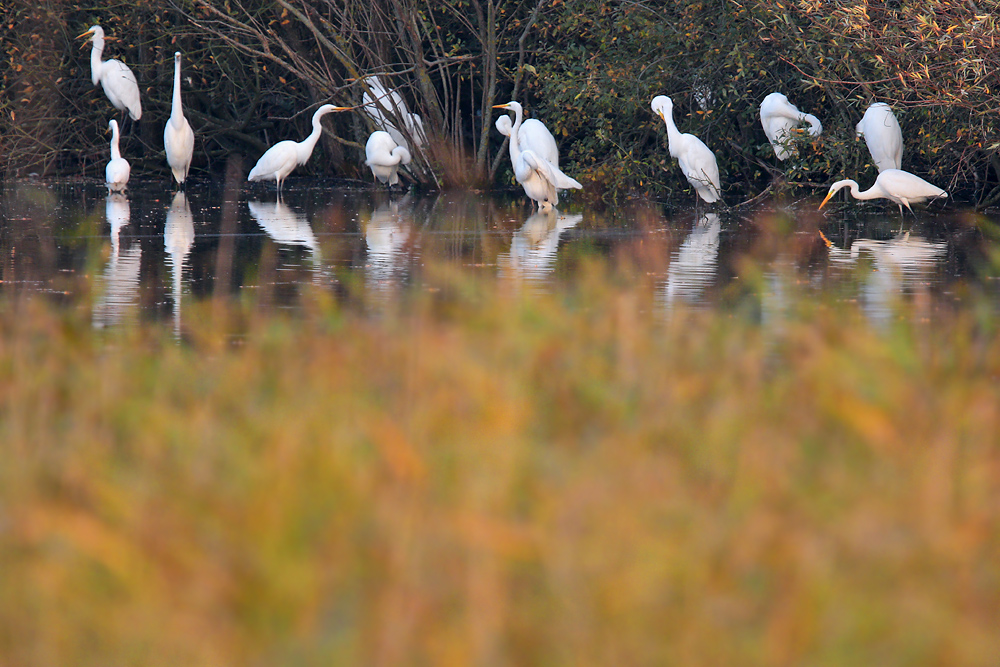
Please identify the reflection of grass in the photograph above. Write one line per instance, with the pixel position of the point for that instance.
(483, 478)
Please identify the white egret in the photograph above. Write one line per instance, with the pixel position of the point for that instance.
(881, 131)
(537, 175)
(114, 76)
(779, 117)
(533, 136)
(281, 159)
(117, 171)
(178, 137)
(896, 185)
(385, 106)
(384, 156)
(697, 161)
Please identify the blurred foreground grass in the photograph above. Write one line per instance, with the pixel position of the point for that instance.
(478, 477)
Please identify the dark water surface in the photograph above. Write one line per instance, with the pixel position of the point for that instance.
(143, 255)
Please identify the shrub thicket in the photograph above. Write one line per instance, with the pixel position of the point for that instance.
(588, 68)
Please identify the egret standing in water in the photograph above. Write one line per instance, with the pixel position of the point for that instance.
(178, 137)
(898, 186)
(696, 160)
(538, 176)
(384, 156)
(114, 76)
(881, 131)
(779, 117)
(281, 159)
(117, 171)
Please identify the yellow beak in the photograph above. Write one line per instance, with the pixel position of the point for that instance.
(828, 195)
(500, 106)
(86, 34)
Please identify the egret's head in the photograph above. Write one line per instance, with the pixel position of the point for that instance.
(113, 124)
(96, 31)
(510, 106)
(503, 125)
(329, 108)
(662, 106)
(829, 194)
(177, 56)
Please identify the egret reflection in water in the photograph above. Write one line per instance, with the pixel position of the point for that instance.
(693, 267)
(388, 235)
(533, 249)
(178, 237)
(905, 262)
(120, 280)
(285, 226)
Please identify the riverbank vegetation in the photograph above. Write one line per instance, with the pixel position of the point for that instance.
(479, 475)
(588, 68)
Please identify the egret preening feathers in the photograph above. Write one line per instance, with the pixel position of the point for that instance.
(533, 136)
(117, 171)
(779, 117)
(178, 137)
(384, 156)
(696, 160)
(281, 159)
(540, 178)
(114, 76)
(385, 106)
(898, 186)
(881, 131)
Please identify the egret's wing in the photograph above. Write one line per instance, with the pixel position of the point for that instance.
(119, 80)
(280, 156)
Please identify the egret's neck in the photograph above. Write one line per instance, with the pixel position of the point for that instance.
(95, 60)
(115, 153)
(815, 127)
(855, 190)
(175, 107)
(673, 134)
(514, 144)
(307, 145)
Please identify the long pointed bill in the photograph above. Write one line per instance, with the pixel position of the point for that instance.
(86, 34)
(500, 106)
(828, 195)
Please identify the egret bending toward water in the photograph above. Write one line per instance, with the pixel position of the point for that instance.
(881, 131)
(114, 76)
(896, 185)
(384, 156)
(281, 159)
(533, 136)
(178, 137)
(536, 174)
(696, 160)
(779, 117)
(117, 171)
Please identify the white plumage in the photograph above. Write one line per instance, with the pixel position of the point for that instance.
(696, 160)
(533, 136)
(117, 172)
(114, 76)
(178, 137)
(881, 131)
(779, 117)
(385, 107)
(898, 186)
(383, 155)
(281, 159)
(540, 178)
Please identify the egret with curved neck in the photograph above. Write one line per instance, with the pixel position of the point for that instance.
(281, 159)
(537, 175)
(696, 160)
(178, 137)
(117, 171)
(384, 156)
(779, 117)
(898, 186)
(114, 76)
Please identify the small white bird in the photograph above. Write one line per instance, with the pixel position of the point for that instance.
(779, 117)
(540, 178)
(178, 137)
(114, 76)
(117, 171)
(281, 159)
(533, 136)
(881, 131)
(896, 185)
(696, 160)
(384, 156)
